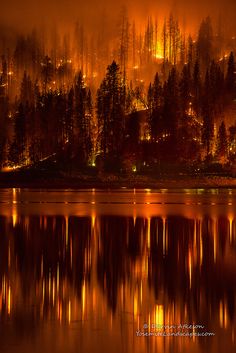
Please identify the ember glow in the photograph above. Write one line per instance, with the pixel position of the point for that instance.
(74, 82)
(111, 89)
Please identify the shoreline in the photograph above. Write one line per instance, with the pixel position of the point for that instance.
(115, 182)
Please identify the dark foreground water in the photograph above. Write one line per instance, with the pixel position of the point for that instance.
(95, 271)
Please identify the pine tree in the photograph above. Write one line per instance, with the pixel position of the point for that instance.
(216, 78)
(190, 52)
(83, 116)
(171, 116)
(18, 146)
(155, 106)
(69, 123)
(124, 42)
(46, 72)
(58, 121)
(222, 144)
(232, 143)
(204, 43)
(89, 143)
(26, 90)
(110, 111)
(230, 76)
(197, 88)
(185, 91)
(171, 104)
(207, 113)
(4, 106)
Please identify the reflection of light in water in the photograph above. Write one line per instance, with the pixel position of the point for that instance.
(83, 295)
(159, 315)
(214, 191)
(3, 287)
(122, 294)
(165, 241)
(201, 245)
(69, 311)
(66, 219)
(230, 218)
(223, 315)
(137, 295)
(9, 255)
(190, 268)
(93, 220)
(26, 223)
(43, 290)
(148, 233)
(195, 234)
(14, 217)
(9, 301)
(94, 300)
(194, 330)
(42, 266)
(163, 191)
(87, 259)
(141, 292)
(144, 271)
(215, 237)
(71, 252)
(185, 311)
(135, 305)
(58, 277)
(49, 285)
(59, 310)
(53, 291)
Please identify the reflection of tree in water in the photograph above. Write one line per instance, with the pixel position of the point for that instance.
(189, 262)
(113, 265)
(136, 238)
(123, 243)
(46, 241)
(3, 246)
(212, 282)
(80, 232)
(43, 251)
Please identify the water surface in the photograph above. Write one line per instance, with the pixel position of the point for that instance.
(90, 271)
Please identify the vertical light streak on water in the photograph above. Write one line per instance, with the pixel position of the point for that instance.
(215, 238)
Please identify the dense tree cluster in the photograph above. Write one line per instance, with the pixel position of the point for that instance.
(123, 124)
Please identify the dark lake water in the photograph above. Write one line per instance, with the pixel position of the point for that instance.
(94, 271)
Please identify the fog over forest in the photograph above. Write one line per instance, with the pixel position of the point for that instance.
(87, 82)
(26, 13)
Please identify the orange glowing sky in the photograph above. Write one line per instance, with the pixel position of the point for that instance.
(25, 13)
